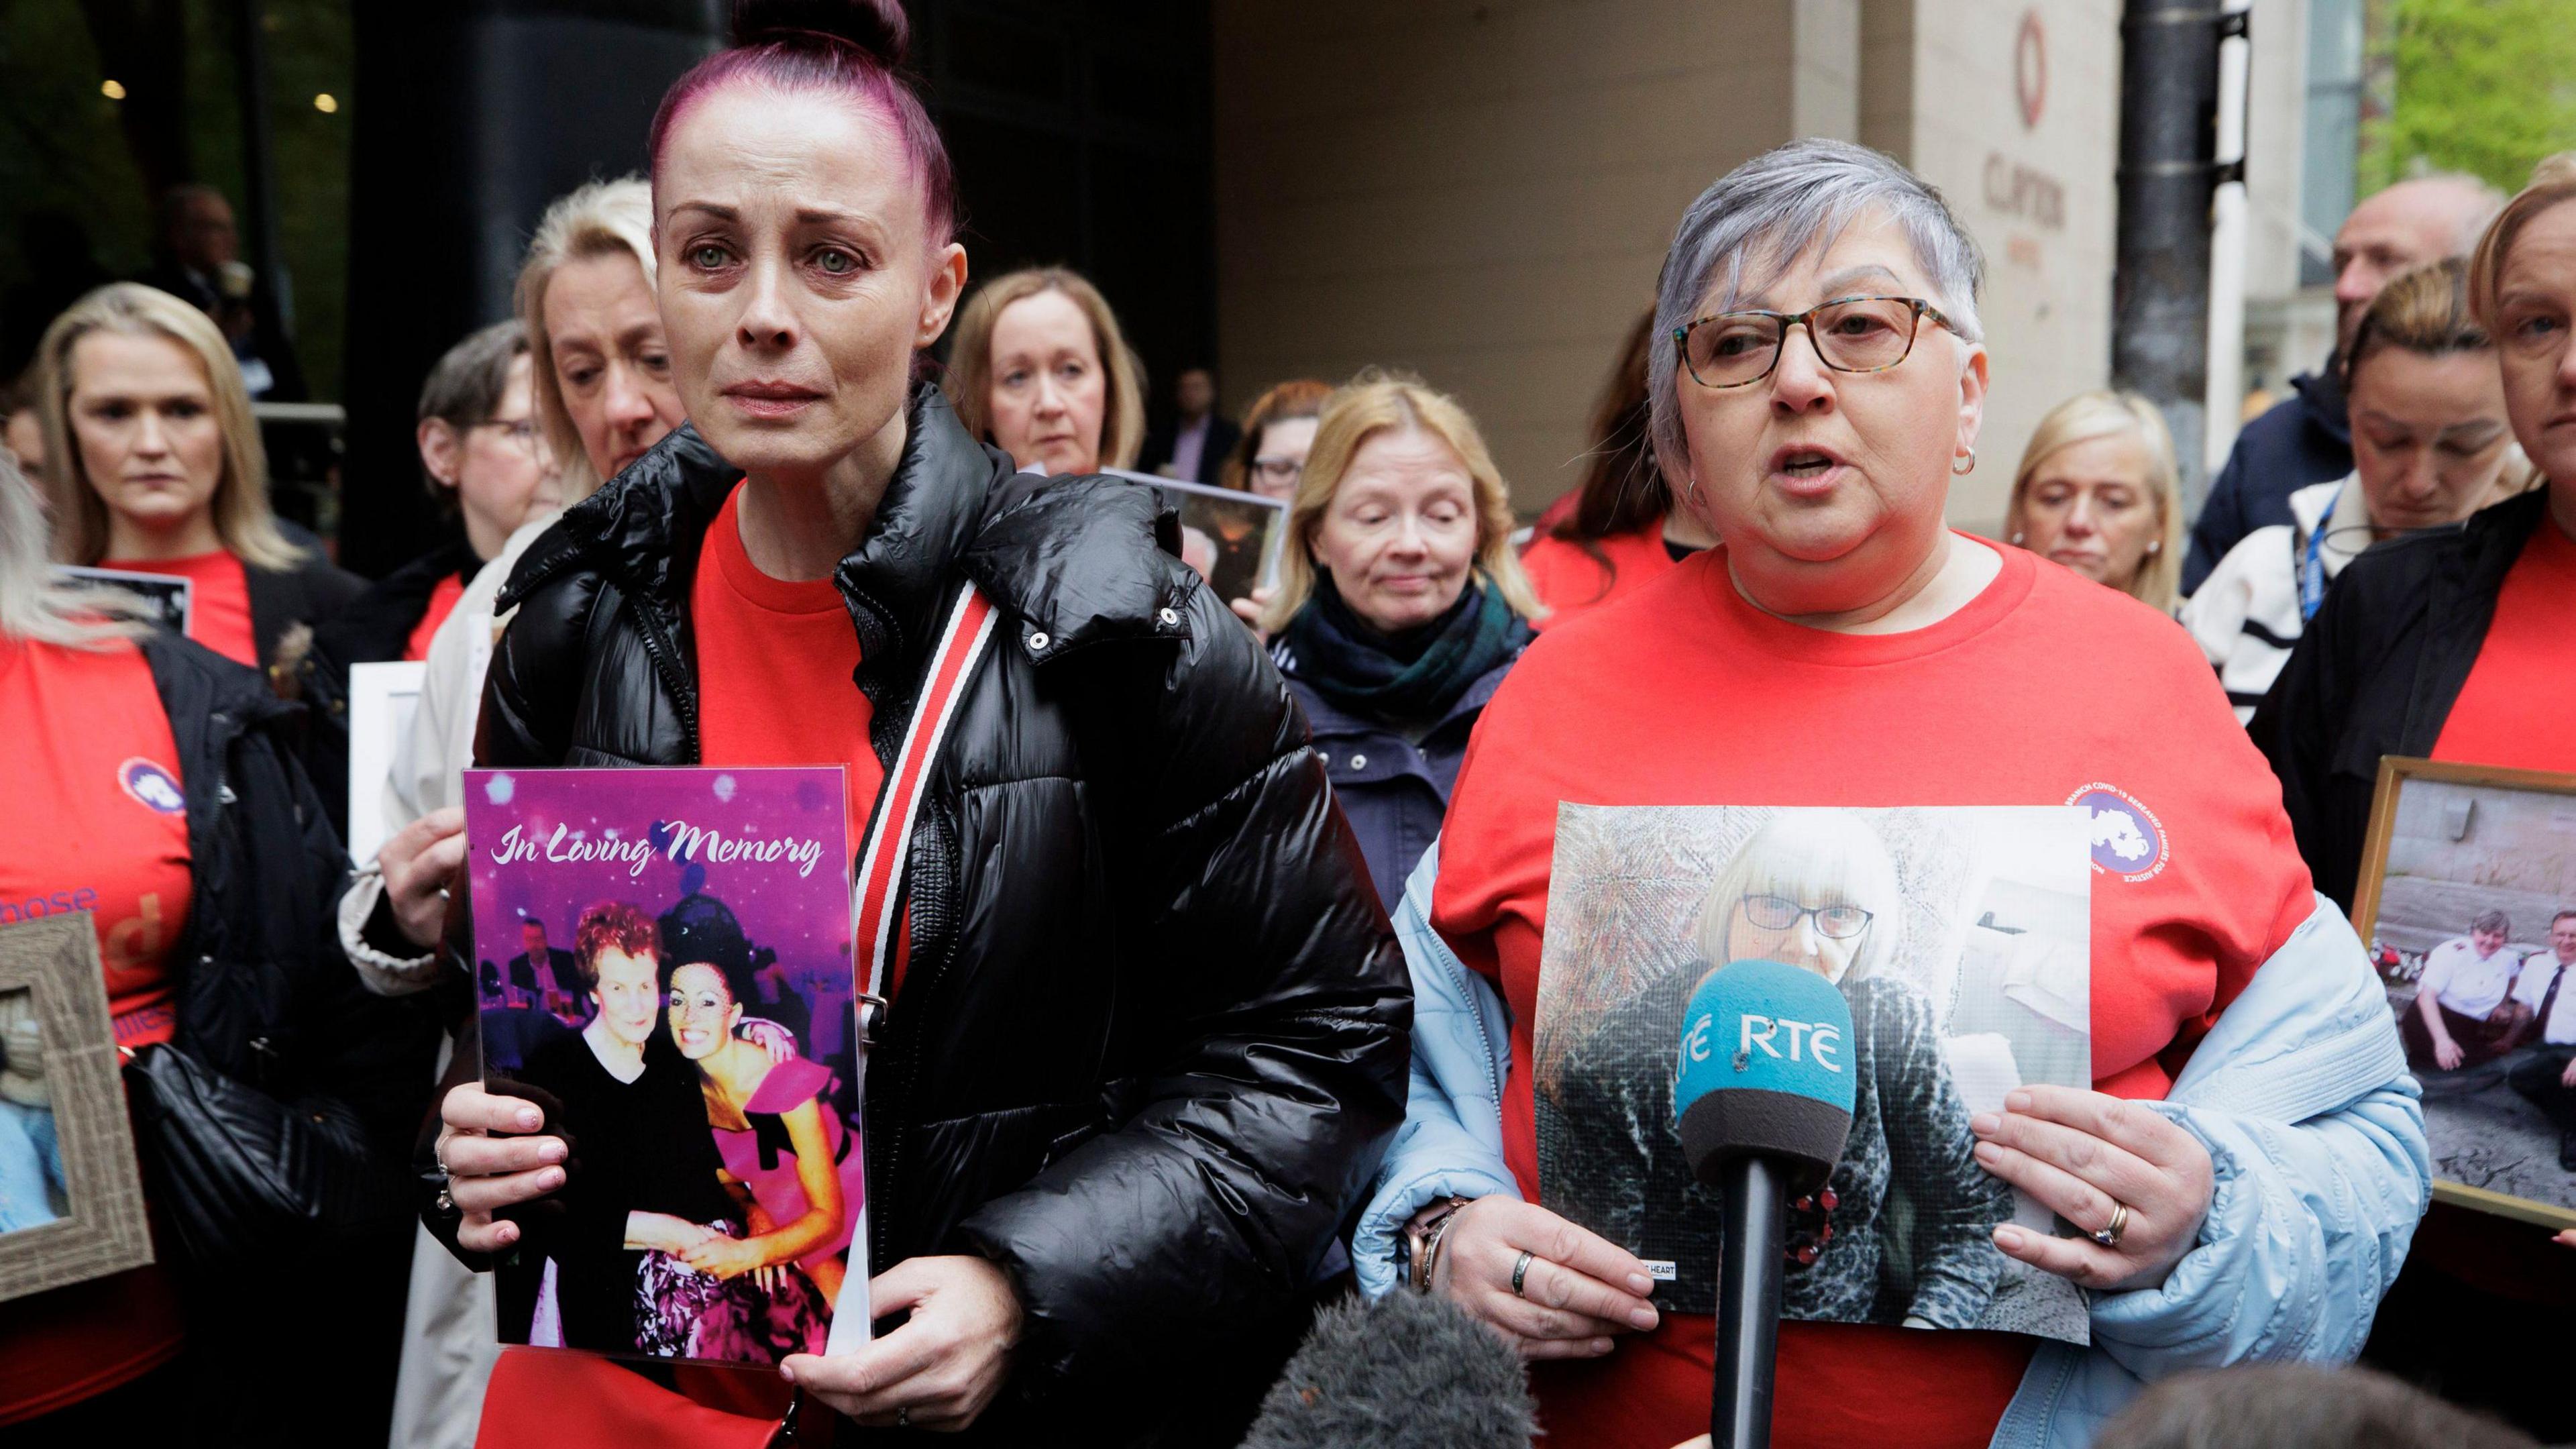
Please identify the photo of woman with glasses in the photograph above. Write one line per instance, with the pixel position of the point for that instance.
(1813, 889)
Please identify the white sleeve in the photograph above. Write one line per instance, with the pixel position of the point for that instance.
(2438, 966)
(2215, 612)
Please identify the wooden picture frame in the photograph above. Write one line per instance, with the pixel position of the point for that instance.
(55, 959)
(2395, 773)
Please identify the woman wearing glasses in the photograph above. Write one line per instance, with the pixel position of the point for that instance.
(1817, 378)
(1809, 890)
(486, 467)
(2429, 440)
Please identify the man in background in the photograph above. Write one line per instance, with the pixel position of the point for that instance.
(2464, 1013)
(198, 258)
(2306, 439)
(1195, 447)
(2548, 1078)
(544, 974)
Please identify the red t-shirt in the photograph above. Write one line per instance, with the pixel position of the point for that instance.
(218, 602)
(2042, 690)
(1571, 582)
(775, 660)
(2518, 709)
(94, 822)
(442, 602)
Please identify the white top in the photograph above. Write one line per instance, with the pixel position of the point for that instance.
(2466, 982)
(2538, 969)
(2245, 615)
(428, 767)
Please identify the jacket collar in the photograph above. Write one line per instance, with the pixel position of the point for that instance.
(1080, 561)
(2321, 399)
(646, 526)
(895, 582)
(2469, 565)
(1075, 559)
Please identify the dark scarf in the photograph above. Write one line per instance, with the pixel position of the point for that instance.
(1413, 676)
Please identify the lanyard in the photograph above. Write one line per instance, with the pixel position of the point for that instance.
(889, 843)
(2312, 574)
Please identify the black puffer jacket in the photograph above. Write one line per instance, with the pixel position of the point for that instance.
(265, 997)
(1153, 1034)
(2377, 671)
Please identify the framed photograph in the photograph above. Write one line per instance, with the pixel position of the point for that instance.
(1232, 539)
(1960, 938)
(71, 1199)
(2467, 897)
(665, 955)
(169, 595)
(382, 700)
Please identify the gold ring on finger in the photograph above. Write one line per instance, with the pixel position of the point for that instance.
(1520, 1272)
(2108, 1235)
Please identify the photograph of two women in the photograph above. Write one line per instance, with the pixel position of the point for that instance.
(665, 966)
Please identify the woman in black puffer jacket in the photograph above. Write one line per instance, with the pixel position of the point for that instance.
(1152, 1033)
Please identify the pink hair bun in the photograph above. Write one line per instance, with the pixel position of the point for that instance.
(876, 28)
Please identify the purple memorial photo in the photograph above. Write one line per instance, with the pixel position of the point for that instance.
(662, 962)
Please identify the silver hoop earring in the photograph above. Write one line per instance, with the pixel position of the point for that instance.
(1963, 466)
(1694, 490)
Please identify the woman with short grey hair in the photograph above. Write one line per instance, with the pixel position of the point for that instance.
(1818, 375)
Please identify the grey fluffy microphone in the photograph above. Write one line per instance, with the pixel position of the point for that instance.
(1407, 1372)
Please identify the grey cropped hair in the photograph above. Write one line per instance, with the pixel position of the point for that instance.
(1783, 203)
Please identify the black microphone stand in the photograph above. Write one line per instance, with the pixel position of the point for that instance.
(1748, 1302)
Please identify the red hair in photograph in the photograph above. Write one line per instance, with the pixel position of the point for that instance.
(612, 923)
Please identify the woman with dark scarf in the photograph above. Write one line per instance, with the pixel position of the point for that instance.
(1400, 607)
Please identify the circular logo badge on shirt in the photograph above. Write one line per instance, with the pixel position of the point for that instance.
(151, 786)
(2128, 841)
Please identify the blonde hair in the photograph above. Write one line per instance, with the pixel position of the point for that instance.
(1816, 858)
(1367, 405)
(2106, 414)
(2552, 181)
(970, 359)
(601, 219)
(34, 604)
(239, 508)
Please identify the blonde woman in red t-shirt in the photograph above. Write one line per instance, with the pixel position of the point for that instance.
(155, 786)
(158, 469)
(1816, 379)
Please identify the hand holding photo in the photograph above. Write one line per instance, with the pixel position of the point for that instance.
(71, 1197)
(2467, 897)
(1231, 538)
(1954, 944)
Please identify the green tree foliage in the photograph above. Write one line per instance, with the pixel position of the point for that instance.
(2482, 86)
(75, 200)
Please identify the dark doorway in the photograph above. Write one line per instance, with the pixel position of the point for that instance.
(1081, 134)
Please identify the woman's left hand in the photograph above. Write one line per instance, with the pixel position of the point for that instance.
(419, 862)
(2082, 1154)
(943, 1367)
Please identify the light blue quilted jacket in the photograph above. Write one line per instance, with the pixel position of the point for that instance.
(2300, 1093)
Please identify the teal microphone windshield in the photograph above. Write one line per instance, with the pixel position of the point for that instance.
(1766, 1070)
